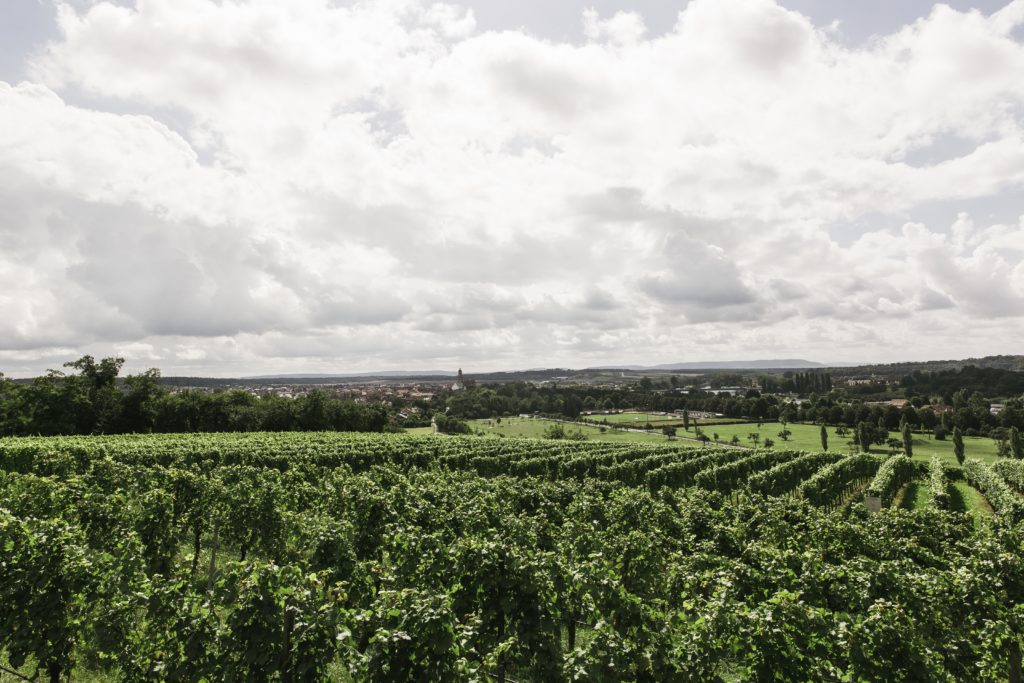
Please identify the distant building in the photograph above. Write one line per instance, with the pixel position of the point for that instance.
(462, 383)
(997, 408)
(898, 402)
(731, 391)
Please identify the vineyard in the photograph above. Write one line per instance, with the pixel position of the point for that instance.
(356, 557)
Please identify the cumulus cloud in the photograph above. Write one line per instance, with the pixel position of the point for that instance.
(701, 279)
(254, 185)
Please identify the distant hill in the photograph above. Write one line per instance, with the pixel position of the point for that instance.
(774, 364)
(894, 370)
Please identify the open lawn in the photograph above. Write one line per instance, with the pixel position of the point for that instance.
(419, 431)
(806, 437)
(639, 419)
(915, 496)
(962, 498)
(533, 428)
(631, 419)
(803, 438)
(965, 498)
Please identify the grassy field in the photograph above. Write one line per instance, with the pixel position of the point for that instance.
(915, 496)
(962, 498)
(807, 438)
(804, 437)
(965, 498)
(639, 419)
(533, 428)
(635, 419)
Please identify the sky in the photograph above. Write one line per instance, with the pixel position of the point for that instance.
(239, 187)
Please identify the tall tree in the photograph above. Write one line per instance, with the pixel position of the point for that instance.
(908, 439)
(97, 384)
(1016, 447)
(865, 435)
(824, 438)
(958, 445)
(10, 416)
(139, 402)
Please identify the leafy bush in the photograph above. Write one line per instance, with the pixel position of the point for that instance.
(938, 484)
(892, 475)
(1004, 501)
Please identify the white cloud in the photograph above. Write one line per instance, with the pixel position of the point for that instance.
(624, 28)
(384, 185)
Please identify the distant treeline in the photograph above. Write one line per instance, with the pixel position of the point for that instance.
(94, 400)
(965, 407)
(1013, 363)
(985, 381)
(799, 382)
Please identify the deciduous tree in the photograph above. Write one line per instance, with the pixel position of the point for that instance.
(958, 445)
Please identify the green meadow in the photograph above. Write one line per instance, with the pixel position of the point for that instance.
(533, 428)
(639, 419)
(803, 437)
(806, 437)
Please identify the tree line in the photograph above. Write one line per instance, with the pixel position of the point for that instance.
(965, 408)
(91, 398)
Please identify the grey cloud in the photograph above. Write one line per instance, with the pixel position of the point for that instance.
(600, 300)
(931, 300)
(614, 205)
(777, 38)
(982, 289)
(469, 308)
(412, 237)
(789, 290)
(402, 191)
(699, 277)
(522, 144)
(818, 308)
(600, 314)
(456, 322)
(934, 150)
(733, 313)
(476, 298)
(170, 278)
(466, 308)
(547, 85)
(619, 205)
(698, 285)
(520, 261)
(359, 306)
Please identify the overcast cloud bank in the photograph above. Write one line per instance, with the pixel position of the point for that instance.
(254, 186)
